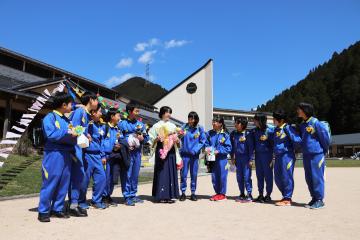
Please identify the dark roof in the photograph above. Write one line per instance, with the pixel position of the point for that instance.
(14, 92)
(7, 82)
(26, 86)
(346, 139)
(180, 83)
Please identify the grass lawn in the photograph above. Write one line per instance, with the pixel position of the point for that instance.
(21, 175)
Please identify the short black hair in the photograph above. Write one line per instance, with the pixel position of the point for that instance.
(262, 119)
(307, 108)
(131, 106)
(111, 112)
(280, 114)
(163, 110)
(60, 98)
(195, 116)
(242, 120)
(96, 109)
(85, 98)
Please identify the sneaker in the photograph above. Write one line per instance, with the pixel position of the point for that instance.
(78, 212)
(248, 198)
(267, 199)
(310, 203)
(129, 202)
(284, 202)
(109, 201)
(137, 200)
(84, 205)
(44, 217)
(259, 199)
(317, 205)
(221, 197)
(241, 198)
(100, 205)
(59, 214)
(214, 197)
(193, 197)
(182, 197)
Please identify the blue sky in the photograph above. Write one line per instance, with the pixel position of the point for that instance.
(259, 47)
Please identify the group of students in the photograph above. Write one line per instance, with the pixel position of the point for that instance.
(272, 147)
(67, 168)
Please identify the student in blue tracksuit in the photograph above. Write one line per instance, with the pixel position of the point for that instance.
(219, 139)
(59, 142)
(77, 192)
(242, 154)
(285, 139)
(129, 177)
(315, 144)
(110, 143)
(95, 158)
(192, 142)
(263, 142)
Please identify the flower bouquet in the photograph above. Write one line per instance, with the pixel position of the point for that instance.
(210, 154)
(133, 141)
(168, 139)
(82, 140)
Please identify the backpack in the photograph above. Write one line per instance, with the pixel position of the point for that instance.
(325, 124)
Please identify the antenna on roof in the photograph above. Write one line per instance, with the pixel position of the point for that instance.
(147, 74)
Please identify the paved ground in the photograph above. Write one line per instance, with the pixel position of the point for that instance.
(203, 219)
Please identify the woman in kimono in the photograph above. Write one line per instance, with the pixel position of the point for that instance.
(164, 141)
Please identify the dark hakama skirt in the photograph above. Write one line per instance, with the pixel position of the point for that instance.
(165, 182)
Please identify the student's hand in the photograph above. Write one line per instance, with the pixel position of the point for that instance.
(131, 148)
(216, 152)
(72, 133)
(103, 161)
(159, 139)
(140, 137)
(250, 164)
(89, 137)
(233, 161)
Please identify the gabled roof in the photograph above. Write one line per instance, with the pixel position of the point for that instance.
(346, 139)
(180, 83)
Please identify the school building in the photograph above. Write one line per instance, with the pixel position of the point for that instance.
(345, 145)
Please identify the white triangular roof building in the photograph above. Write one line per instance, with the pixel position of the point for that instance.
(201, 101)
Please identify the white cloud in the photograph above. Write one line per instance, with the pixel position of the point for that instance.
(116, 80)
(124, 62)
(175, 43)
(147, 57)
(142, 46)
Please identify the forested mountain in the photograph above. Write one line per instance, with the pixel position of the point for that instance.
(334, 90)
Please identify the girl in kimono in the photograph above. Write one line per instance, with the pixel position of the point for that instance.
(165, 143)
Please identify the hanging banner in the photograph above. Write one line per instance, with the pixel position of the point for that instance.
(16, 131)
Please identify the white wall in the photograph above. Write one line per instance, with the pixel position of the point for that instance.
(201, 101)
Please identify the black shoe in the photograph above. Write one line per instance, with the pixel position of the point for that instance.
(249, 198)
(267, 199)
(78, 212)
(110, 202)
(59, 214)
(310, 203)
(259, 199)
(170, 201)
(182, 197)
(43, 217)
(193, 197)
